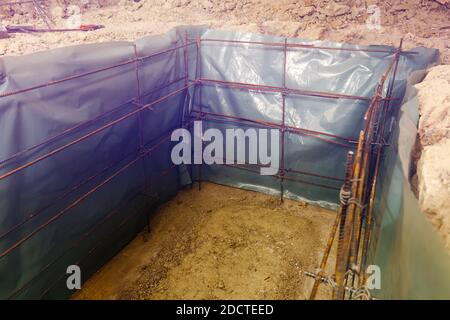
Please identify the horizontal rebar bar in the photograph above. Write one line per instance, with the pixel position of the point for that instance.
(61, 196)
(81, 125)
(92, 133)
(73, 77)
(277, 176)
(312, 174)
(299, 45)
(84, 236)
(312, 133)
(84, 196)
(277, 89)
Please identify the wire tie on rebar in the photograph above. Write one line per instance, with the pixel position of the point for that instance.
(344, 195)
(362, 292)
(331, 282)
(144, 150)
(347, 273)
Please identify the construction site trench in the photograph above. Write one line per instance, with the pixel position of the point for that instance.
(86, 166)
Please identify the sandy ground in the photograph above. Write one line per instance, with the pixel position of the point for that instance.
(219, 243)
(418, 22)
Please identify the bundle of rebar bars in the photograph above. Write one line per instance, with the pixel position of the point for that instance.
(354, 221)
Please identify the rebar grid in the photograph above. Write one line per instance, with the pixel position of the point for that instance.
(352, 218)
(142, 152)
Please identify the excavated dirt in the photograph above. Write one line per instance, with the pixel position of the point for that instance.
(220, 243)
(432, 182)
(420, 22)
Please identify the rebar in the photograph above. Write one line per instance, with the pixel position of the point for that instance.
(352, 223)
(341, 211)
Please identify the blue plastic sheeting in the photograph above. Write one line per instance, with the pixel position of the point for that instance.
(413, 260)
(81, 196)
(344, 72)
(69, 192)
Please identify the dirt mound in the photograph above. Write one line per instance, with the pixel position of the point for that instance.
(433, 149)
(419, 22)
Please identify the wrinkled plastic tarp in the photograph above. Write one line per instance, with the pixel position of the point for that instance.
(117, 210)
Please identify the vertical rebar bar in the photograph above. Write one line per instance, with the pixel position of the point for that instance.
(379, 146)
(339, 217)
(283, 121)
(345, 229)
(361, 196)
(138, 97)
(199, 60)
(187, 102)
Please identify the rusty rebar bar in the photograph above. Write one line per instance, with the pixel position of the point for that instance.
(283, 122)
(345, 228)
(300, 45)
(342, 208)
(349, 235)
(379, 146)
(90, 134)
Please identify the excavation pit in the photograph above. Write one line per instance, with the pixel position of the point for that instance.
(86, 157)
